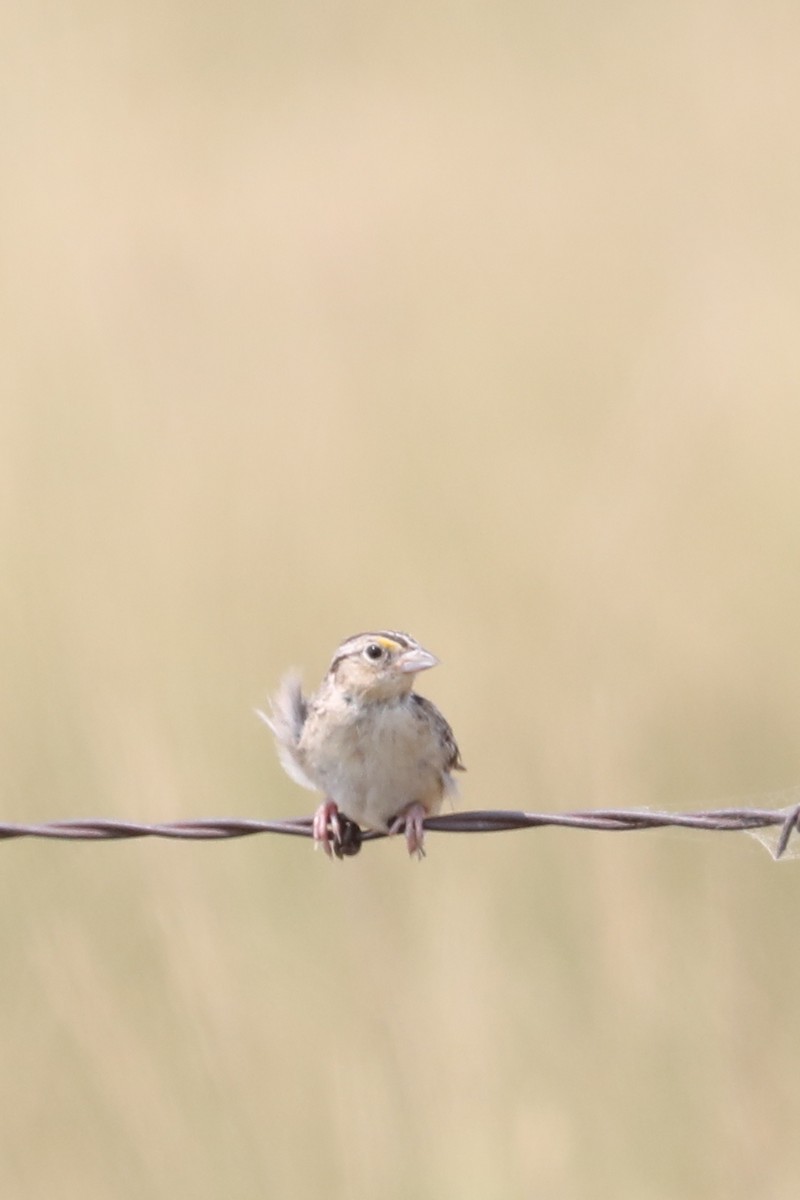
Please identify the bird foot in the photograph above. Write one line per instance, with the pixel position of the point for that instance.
(337, 834)
(410, 822)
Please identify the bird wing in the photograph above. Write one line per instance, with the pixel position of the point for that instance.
(453, 754)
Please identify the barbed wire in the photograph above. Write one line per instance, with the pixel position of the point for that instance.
(722, 820)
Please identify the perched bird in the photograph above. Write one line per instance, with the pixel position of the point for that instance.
(381, 755)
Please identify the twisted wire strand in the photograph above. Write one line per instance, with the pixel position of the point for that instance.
(722, 820)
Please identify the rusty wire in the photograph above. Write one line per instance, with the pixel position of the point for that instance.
(723, 820)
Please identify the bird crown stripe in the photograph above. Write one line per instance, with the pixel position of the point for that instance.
(385, 637)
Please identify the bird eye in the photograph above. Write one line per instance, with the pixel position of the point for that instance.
(373, 652)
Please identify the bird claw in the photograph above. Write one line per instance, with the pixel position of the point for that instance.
(326, 828)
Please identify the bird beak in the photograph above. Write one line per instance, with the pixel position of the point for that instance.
(416, 660)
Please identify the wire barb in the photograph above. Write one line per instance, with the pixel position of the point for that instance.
(724, 820)
(791, 822)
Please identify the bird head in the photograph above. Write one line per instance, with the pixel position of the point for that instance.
(379, 665)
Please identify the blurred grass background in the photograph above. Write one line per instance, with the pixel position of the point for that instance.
(479, 321)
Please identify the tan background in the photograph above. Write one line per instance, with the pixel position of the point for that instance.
(480, 321)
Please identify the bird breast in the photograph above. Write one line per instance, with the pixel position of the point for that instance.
(375, 763)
